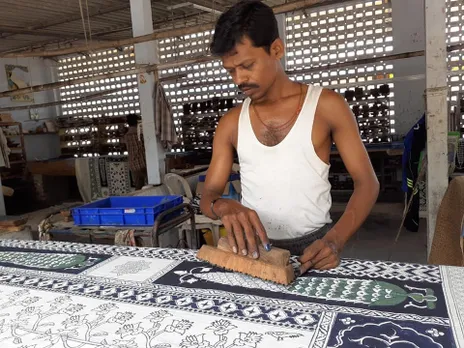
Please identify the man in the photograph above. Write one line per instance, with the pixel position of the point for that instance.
(136, 150)
(283, 134)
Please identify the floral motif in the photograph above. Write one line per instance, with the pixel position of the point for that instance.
(221, 327)
(69, 332)
(19, 293)
(250, 339)
(130, 330)
(75, 320)
(435, 333)
(28, 311)
(105, 308)
(29, 300)
(59, 301)
(20, 321)
(348, 321)
(179, 326)
(72, 309)
(372, 334)
(121, 317)
(197, 341)
(158, 316)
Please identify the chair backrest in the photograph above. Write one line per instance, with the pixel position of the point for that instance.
(446, 245)
(177, 185)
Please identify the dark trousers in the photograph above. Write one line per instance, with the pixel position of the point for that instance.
(296, 246)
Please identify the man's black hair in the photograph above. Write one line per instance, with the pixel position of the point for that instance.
(249, 18)
(132, 120)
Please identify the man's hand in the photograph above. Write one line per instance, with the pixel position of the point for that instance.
(321, 255)
(244, 228)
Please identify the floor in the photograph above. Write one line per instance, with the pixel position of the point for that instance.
(376, 238)
(373, 241)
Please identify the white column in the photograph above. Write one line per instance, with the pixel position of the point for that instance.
(437, 110)
(147, 53)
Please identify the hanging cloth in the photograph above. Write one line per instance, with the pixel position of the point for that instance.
(164, 119)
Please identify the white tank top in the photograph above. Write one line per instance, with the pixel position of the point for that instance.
(287, 184)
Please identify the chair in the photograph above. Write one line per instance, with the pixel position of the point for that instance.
(446, 246)
(177, 185)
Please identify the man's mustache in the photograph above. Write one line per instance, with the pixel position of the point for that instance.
(247, 86)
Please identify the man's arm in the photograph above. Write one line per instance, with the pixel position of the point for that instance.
(220, 166)
(242, 224)
(324, 253)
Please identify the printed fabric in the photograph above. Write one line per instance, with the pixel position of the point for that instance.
(136, 150)
(57, 294)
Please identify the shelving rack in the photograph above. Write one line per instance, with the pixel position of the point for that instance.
(92, 136)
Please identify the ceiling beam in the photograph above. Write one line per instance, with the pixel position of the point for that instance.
(174, 22)
(22, 31)
(217, 10)
(77, 17)
(157, 25)
(288, 7)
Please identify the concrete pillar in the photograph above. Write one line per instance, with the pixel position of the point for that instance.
(437, 110)
(408, 35)
(147, 53)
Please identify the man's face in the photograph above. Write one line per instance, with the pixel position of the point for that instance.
(253, 69)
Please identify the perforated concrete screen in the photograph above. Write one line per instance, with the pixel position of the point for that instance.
(116, 104)
(204, 81)
(454, 32)
(341, 33)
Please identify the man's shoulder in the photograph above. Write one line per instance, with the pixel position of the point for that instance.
(230, 119)
(332, 107)
(330, 98)
(227, 129)
(233, 114)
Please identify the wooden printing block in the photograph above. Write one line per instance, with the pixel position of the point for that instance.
(271, 265)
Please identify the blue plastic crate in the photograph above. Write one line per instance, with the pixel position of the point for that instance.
(124, 211)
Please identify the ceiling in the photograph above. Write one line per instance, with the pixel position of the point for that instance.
(32, 24)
